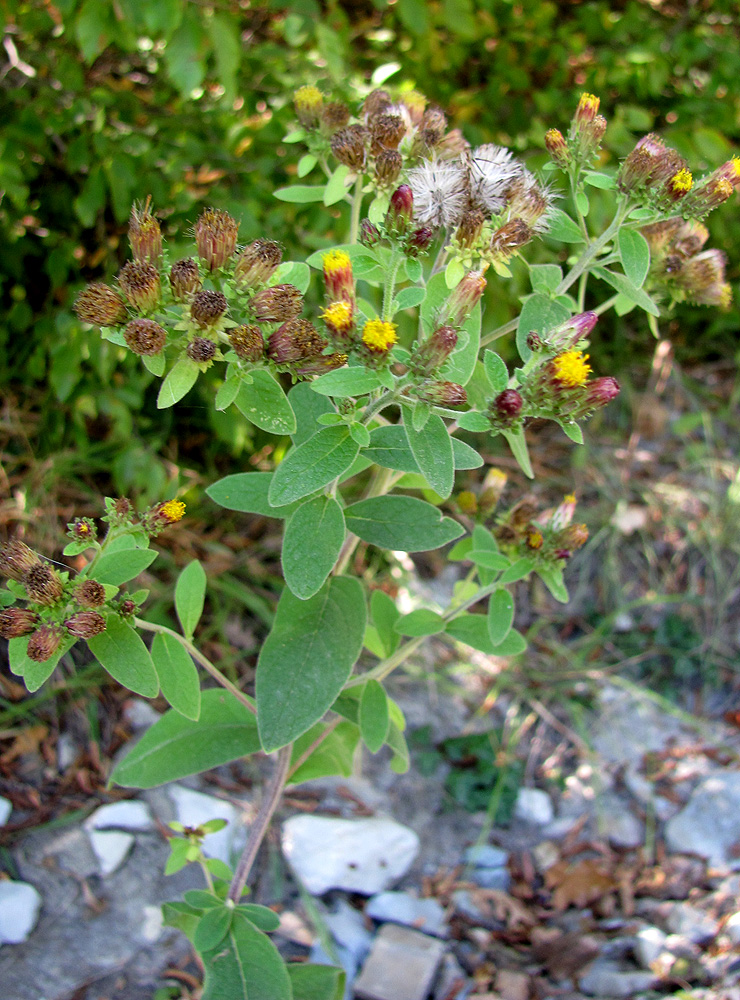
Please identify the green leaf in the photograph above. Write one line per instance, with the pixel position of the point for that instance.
(301, 194)
(227, 393)
(122, 653)
(397, 742)
(316, 982)
(605, 182)
(473, 631)
(489, 559)
(313, 465)
(306, 164)
(264, 403)
(517, 571)
(545, 277)
(199, 899)
(409, 297)
(496, 370)
(34, 674)
(573, 430)
(472, 420)
(374, 718)
(154, 363)
(262, 917)
(500, 615)
(432, 449)
(246, 966)
(336, 186)
(539, 314)
(116, 568)
(307, 658)
(461, 364)
(464, 456)
(552, 577)
(247, 492)
(190, 593)
(94, 28)
(419, 623)
(183, 55)
(634, 254)
(308, 406)
(385, 614)
(354, 381)
(226, 41)
(403, 523)
(334, 755)
(625, 287)
(390, 448)
(518, 444)
(212, 928)
(180, 380)
(292, 272)
(313, 539)
(583, 203)
(178, 675)
(360, 433)
(562, 228)
(414, 270)
(175, 747)
(454, 273)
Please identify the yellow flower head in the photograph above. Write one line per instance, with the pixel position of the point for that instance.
(335, 261)
(588, 106)
(379, 335)
(535, 538)
(172, 510)
(681, 183)
(308, 101)
(570, 369)
(338, 316)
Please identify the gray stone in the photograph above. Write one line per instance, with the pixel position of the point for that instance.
(67, 751)
(709, 824)
(696, 925)
(452, 980)
(6, 807)
(464, 904)
(71, 851)
(732, 928)
(425, 915)
(618, 823)
(485, 856)
(648, 945)
(19, 909)
(139, 714)
(492, 878)
(533, 806)
(607, 979)
(348, 930)
(124, 815)
(644, 791)
(401, 966)
(362, 855)
(627, 727)
(111, 848)
(195, 808)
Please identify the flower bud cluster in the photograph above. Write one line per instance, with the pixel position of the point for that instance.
(681, 268)
(548, 537)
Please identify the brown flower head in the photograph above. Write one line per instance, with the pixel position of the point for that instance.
(184, 279)
(139, 281)
(388, 164)
(42, 584)
(201, 350)
(377, 102)
(85, 624)
(257, 262)
(100, 305)
(207, 307)
(15, 622)
(145, 337)
(90, 594)
(334, 115)
(386, 132)
(247, 342)
(294, 340)
(215, 236)
(443, 393)
(348, 146)
(44, 643)
(434, 351)
(144, 234)
(278, 303)
(17, 559)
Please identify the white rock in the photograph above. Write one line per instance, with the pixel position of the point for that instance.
(486, 856)
(649, 943)
(692, 923)
(362, 855)
(19, 911)
(732, 928)
(533, 806)
(67, 751)
(425, 915)
(618, 823)
(195, 808)
(348, 930)
(6, 808)
(139, 714)
(111, 848)
(606, 979)
(709, 824)
(152, 924)
(125, 815)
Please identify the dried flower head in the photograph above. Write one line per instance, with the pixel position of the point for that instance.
(470, 227)
(100, 305)
(440, 193)
(257, 262)
(510, 237)
(530, 201)
(294, 340)
(379, 336)
(44, 643)
(348, 146)
(431, 353)
(491, 171)
(90, 593)
(388, 165)
(377, 102)
(139, 281)
(278, 303)
(85, 624)
(320, 364)
(184, 279)
(144, 233)
(215, 235)
(386, 132)
(43, 584)
(16, 559)
(335, 115)
(201, 350)
(145, 337)
(207, 307)
(15, 622)
(248, 342)
(432, 128)
(442, 393)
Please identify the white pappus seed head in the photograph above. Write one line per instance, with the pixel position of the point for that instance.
(440, 193)
(491, 170)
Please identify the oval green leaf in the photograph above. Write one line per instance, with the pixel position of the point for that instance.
(500, 615)
(264, 403)
(179, 381)
(403, 523)
(247, 492)
(178, 675)
(122, 653)
(190, 593)
(116, 568)
(312, 465)
(311, 545)
(374, 718)
(432, 448)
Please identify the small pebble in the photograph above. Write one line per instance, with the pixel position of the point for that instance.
(732, 928)
(687, 920)
(609, 980)
(6, 807)
(401, 908)
(649, 943)
(486, 856)
(19, 910)
(533, 806)
(125, 815)
(492, 878)
(348, 930)
(139, 714)
(111, 848)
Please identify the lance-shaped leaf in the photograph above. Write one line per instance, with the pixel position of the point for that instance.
(432, 448)
(403, 523)
(313, 465)
(120, 650)
(178, 676)
(190, 592)
(307, 658)
(311, 545)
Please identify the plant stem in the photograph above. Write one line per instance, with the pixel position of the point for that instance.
(439, 260)
(201, 659)
(500, 331)
(273, 792)
(354, 223)
(330, 727)
(606, 305)
(390, 285)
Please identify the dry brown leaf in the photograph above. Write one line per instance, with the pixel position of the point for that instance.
(579, 884)
(566, 954)
(28, 741)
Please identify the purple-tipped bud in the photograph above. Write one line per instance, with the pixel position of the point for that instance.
(369, 234)
(145, 337)
(85, 624)
(348, 146)
(295, 340)
(507, 405)
(278, 303)
(17, 559)
(534, 342)
(419, 240)
(434, 351)
(557, 147)
(90, 594)
(207, 308)
(44, 643)
(443, 394)
(568, 334)
(127, 608)
(184, 279)
(215, 235)
(201, 350)
(144, 234)
(464, 297)
(257, 262)
(572, 537)
(401, 209)
(705, 197)
(139, 281)
(15, 622)
(100, 305)
(602, 391)
(248, 342)
(43, 585)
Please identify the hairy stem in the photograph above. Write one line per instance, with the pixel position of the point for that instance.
(354, 222)
(199, 658)
(390, 285)
(272, 796)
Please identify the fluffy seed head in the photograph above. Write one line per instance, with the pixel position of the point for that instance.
(247, 342)
(215, 236)
(42, 584)
(278, 303)
(257, 262)
(15, 622)
(85, 624)
(139, 281)
(100, 305)
(440, 193)
(145, 337)
(207, 307)
(44, 643)
(16, 559)
(90, 594)
(491, 171)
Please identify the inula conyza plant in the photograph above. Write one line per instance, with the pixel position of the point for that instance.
(371, 389)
